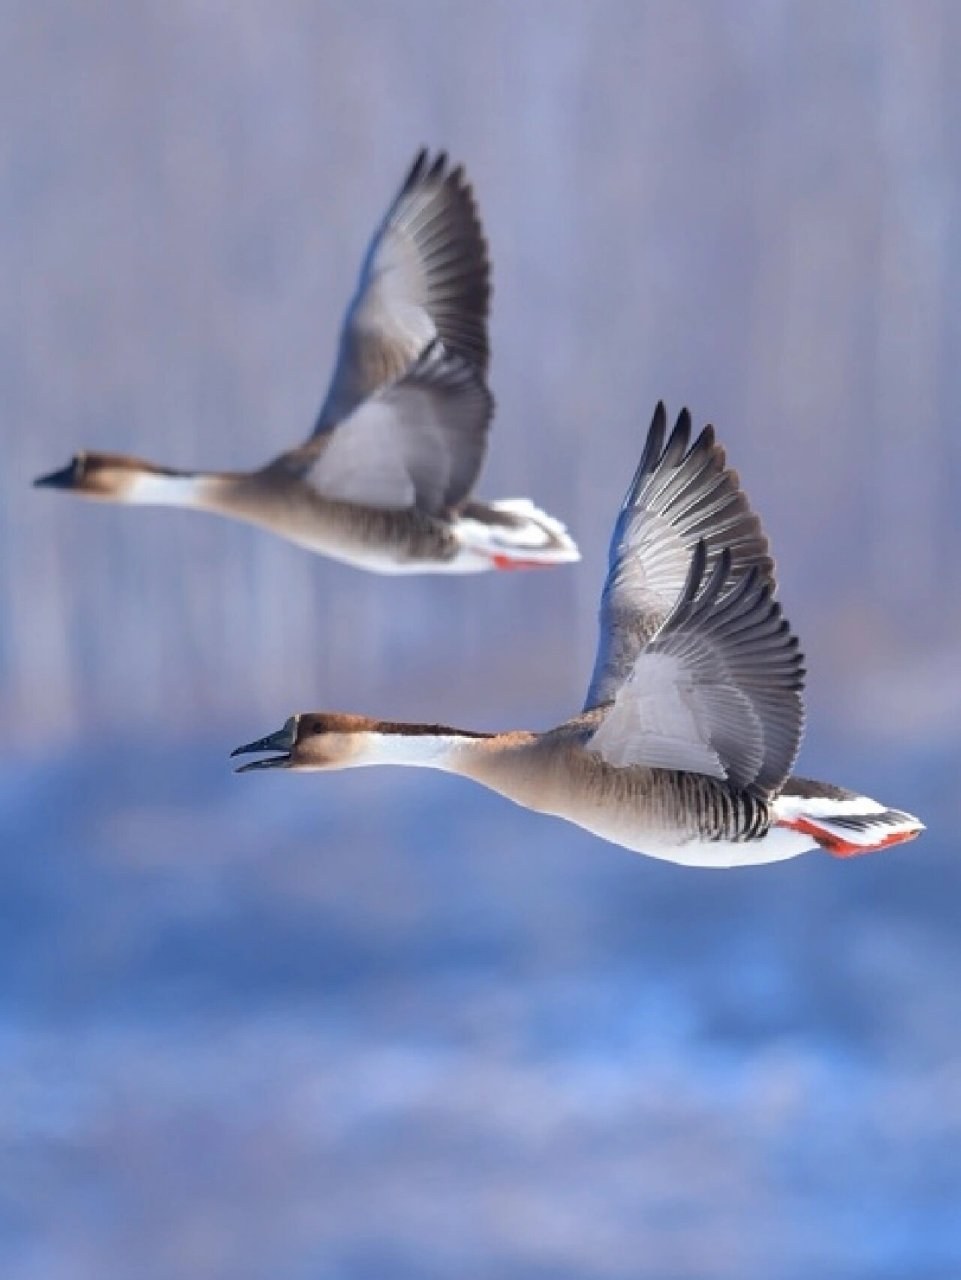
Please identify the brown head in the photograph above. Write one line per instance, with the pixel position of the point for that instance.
(110, 476)
(312, 740)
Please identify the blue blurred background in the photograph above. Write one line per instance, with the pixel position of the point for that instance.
(384, 1024)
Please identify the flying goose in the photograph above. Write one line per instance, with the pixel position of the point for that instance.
(384, 482)
(694, 714)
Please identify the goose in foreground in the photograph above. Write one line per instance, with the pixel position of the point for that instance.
(384, 482)
(694, 713)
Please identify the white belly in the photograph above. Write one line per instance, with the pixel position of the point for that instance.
(777, 845)
(385, 559)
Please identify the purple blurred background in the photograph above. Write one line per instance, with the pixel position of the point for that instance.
(384, 1024)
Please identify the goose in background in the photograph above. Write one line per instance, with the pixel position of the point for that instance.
(384, 482)
(694, 714)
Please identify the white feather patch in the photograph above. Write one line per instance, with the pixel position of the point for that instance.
(540, 538)
(655, 721)
(159, 490)
(825, 807)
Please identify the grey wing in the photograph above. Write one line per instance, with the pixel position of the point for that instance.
(418, 442)
(681, 493)
(718, 690)
(425, 275)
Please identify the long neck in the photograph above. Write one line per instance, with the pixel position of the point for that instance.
(505, 762)
(272, 497)
(421, 746)
(143, 484)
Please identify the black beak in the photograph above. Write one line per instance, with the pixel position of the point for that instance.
(65, 478)
(282, 741)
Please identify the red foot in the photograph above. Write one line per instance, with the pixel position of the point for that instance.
(508, 562)
(839, 848)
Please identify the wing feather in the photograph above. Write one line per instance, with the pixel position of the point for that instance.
(681, 493)
(425, 276)
(718, 688)
(418, 442)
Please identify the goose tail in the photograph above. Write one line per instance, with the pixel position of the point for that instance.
(842, 822)
(514, 534)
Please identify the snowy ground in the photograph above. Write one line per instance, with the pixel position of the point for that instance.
(386, 1026)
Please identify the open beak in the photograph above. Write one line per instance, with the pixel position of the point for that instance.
(65, 478)
(282, 741)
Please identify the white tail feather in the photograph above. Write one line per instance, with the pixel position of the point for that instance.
(523, 535)
(847, 825)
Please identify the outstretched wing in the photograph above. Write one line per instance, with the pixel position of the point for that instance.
(718, 689)
(418, 442)
(681, 494)
(426, 275)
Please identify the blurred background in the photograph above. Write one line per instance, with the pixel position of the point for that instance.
(384, 1024)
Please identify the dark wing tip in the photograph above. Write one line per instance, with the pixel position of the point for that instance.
(695, 571)
(719, 574)
(677, 443)
(416, 171)
(651, 455)
(424, 169)
(706, 441)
